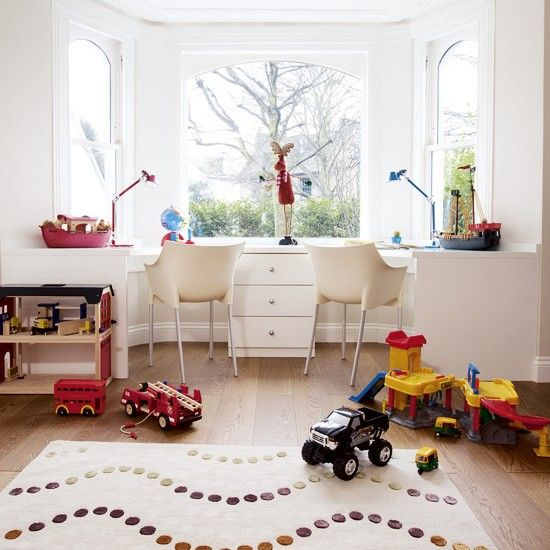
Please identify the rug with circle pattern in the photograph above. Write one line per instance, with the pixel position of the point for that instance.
(204, 497)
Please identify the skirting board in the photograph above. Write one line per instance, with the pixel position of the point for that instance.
(541, 369)
(198, 332)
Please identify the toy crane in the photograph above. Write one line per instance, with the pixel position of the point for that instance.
(285, 191)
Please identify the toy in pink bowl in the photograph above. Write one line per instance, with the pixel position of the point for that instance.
(76, 232)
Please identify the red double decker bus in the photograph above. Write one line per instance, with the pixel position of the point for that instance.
(86, 397)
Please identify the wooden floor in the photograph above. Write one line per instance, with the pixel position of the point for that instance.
(272, 403)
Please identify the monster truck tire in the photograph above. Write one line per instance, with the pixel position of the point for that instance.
(345, 466)
(308, 452)
(380, 452)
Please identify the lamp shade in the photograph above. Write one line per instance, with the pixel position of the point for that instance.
(393, 176)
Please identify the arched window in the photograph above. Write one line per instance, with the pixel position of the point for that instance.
(235, 112)
(92, 126)
(455, 124)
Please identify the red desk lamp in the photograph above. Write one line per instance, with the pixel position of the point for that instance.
(149, 179)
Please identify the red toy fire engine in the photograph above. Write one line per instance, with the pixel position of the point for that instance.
(171, 406)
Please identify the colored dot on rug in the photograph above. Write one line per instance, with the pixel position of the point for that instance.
(60, 518)
(147, 530)
(360, 475)
(395, 524)
(124, 468)
(314, 478)
(36, 526)
(182, 546)
(152, 475)
(117, 513)
(376, 479)
(244, 547)
(197, 495)
(90, 474)
(139, 471)
(356, 515)
(206, 457)
(460, 546)
(164, 539)
(33, 490)
(431, 497)
(250, 498)
(303, 531)
(166, 482)
(180, 489)
(214, 498)
(284, 491)
(132, 520)
(394, 485)
(480, 548)
(339, 518)
(416, 532)
(450, 500)
(50, 454)
(80, 513)
(438, 540)
(52, 485)
(268, 457)
(232, 500)
(71, 480)
(252, 459)
(267, 496)
(82, 449)
(285, 540)
(321, 523)
(193, 452)
(265, 546)
(237, 461)
(413, 492)
(13, 534)
(375, 518)
(108, 470)
(222, 458)
(16, 491)
(203, 547)
(281, 454)
(299, 484)
(100, 510)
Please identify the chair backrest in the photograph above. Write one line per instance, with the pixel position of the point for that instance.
(355, 274)
(193, 273)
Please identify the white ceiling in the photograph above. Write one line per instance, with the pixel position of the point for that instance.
(290, 11)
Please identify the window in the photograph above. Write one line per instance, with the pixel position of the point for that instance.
(95, 150)
(235, 112)
(453, 125)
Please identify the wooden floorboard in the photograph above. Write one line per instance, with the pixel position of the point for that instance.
(273, 403)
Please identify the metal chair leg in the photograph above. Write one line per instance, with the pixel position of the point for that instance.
(310, 350)
(180, 348)
(150, 335)
(399, 318)
(211, 336)
(231, 341)
(358, 348)
(344, 332)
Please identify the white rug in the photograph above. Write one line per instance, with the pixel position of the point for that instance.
(130, 495)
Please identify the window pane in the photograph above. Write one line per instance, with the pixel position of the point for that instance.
(446, 178)
(89, 92)
(92, 181)
(236, 112)
(457, 93)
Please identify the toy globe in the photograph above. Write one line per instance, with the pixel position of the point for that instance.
(173, 220)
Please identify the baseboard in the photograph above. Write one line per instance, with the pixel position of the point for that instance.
(199, 332)
(541, 369)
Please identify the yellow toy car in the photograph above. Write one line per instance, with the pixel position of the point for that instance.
(445, 426)
(426, 459)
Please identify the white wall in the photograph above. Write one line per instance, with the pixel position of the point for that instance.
(26, 191)
(517, 168)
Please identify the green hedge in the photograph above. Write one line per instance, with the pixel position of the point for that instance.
(312, 218)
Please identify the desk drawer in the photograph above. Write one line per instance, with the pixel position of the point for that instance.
(274, 269)
(272, 332)
(268, 300)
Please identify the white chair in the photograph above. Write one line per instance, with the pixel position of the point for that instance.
(193, 273)
(354, 274)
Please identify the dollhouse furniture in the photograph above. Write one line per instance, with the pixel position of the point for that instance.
(354, 274)
(96, 295)
(193, 273)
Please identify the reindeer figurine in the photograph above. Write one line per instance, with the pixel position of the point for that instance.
(285, 192)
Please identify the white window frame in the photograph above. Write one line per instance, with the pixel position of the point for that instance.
(115, 35)
(466, 23)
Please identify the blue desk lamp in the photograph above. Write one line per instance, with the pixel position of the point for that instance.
(402, 175)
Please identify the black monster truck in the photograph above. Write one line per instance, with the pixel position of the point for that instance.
(335, 438)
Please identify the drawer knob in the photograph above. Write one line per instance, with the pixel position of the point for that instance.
(271, 333)
(271, 301)
(271, 269)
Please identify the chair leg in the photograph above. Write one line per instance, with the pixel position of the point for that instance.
(232, 342)
(180, 348)
(358, 348)
(344, 333)
(310, 350)
(150, 335)
(399, 318)
(211, 336)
